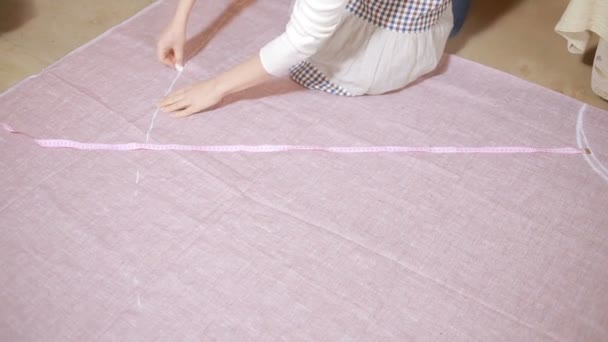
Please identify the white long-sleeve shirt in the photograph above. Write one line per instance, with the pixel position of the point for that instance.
(311, 23)
(356, 47)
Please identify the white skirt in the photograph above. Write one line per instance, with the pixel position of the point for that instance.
(370, 53)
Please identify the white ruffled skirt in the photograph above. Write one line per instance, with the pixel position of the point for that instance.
(371, 55)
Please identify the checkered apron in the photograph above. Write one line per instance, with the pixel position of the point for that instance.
(404, 16)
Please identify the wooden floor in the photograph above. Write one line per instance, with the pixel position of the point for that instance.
(512, 35)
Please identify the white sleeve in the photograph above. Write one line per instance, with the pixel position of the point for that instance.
(311, 23)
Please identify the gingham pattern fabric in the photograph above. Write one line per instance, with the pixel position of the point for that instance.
(308, 76)
(400, 15)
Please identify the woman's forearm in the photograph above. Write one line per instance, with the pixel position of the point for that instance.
(183, 11)
(245, 75)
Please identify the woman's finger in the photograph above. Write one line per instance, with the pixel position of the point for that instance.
(175, 106)
(171, 99)
(164, 55)
(169, 58)
(184, 112)
(179, 57)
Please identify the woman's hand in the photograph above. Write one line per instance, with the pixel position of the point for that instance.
(206, 94)
(191, 100)
(170, 46)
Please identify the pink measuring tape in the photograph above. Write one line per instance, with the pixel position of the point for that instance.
(62, 143)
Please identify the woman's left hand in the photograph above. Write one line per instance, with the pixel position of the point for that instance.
(191, 100)
(206, 94)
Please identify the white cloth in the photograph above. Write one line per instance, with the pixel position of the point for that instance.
(352, 52)
(311, 23)
(580, 19)
(599, 75)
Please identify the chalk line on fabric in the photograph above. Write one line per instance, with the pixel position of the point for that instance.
(179, 69)
(581, 140)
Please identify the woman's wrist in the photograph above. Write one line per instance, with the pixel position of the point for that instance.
(182, 13)
(179, 23)
(245, 75)
(220, 87)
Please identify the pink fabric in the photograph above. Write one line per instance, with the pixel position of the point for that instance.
(295, 246)
(63, 143)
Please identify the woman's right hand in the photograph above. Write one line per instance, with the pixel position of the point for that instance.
(170, 46)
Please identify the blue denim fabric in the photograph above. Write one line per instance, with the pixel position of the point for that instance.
(460, 8)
